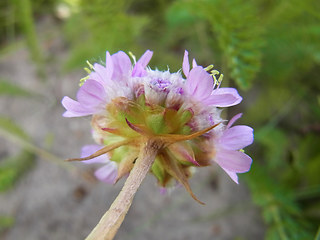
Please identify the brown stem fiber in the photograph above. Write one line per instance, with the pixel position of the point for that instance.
(109, 224)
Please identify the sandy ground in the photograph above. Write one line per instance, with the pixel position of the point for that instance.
(56, 202)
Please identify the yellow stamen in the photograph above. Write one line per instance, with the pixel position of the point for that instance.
(209, 68)
(87, 70)
(90, 65)
(83, 80)
(133, 57)
(220, 78)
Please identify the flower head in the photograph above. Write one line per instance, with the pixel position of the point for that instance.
(130, 103)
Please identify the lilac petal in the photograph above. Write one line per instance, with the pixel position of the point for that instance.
(234, 119)
(100, 74)
(99, 68)
(224, 97)
(109, 66)
(145, 58)
(232, 175)
(194, 63)
(121, 65)
(97, 77)
(199, 83)
(91, 94)
(74, 108)
(107, 173)
(233, 161)
(138, 71)
(87, 150)
(185, 64)
(237, 137)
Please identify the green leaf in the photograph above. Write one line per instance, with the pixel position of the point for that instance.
(7, 125)
(7, 88)
(275, 144)
(317, 237)
(178, 15)
(11, 169)
(6, 222)
(279, 208)
(307, 158)
(291, 49)
(16, 134)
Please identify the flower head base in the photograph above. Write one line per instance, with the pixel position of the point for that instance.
(131, 103)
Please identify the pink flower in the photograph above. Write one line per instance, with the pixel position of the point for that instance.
(108, 172)
(130, 101)
(200, 85)
(93, 95)
(227, 147)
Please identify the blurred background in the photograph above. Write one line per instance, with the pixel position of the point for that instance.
(268, 49)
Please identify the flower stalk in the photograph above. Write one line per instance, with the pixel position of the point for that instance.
(109, 224)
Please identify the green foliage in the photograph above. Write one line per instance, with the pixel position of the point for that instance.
(307, 158)
(286, 116)
(7, 125)
(285, 184)
(279, 207)
(235, 29)
(10, 89)
(101, 23)
(245, 34)
(291, 31)
(27, 24)
(274, 142)
(5, 223)
(11, 131)
(7, 21)
(13, 168)
(317, 237)
(10, 18)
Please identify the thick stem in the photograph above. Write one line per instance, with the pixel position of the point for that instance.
(109, 224)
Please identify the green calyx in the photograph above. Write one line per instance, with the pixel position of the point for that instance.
(128, 125)
(149, 119)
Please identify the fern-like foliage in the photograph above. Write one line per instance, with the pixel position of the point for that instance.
(279, 208)
(236, 34)
(236, 26)
(291, 31)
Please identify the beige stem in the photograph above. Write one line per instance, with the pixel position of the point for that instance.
(109, 224)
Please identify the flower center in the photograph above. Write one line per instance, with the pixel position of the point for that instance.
(160, 85)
